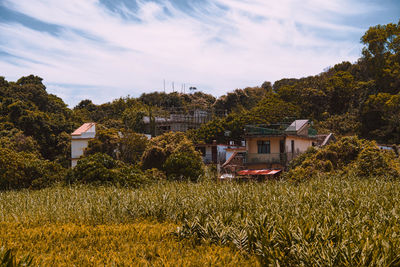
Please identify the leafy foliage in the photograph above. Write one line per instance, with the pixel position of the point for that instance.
(26, 170)
(184, 166)
(347, 155)
(102, 169)
(170, 152)
(26, 106)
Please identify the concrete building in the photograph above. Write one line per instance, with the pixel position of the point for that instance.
(274, 148)
(80, 139)
(176, 122)
(217, 153)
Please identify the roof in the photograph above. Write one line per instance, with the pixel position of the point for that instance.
(229, 160)
(258, 172)
(296, 125)
(84, 128)
(330, 137)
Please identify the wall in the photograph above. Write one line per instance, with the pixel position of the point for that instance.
(252, 148)
(300, 144)
(77, 148)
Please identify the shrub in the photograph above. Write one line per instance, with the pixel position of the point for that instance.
(182, 165)
(175, 154)
(374, 162)
(102, 169)
(155, 174)
(348, 155)
(26, 170)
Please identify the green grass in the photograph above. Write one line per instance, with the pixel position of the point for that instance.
(323, 222)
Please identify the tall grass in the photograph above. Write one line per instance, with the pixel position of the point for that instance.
(324, 222)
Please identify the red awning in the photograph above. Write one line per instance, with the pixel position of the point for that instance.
(258, 172)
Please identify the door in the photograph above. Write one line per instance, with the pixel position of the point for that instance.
(214, 154)
(282, 146)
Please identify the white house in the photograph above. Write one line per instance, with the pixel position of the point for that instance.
(80, 139)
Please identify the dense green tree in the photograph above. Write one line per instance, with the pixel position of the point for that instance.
(241, 98)
(100, 168)
(132, 146)
(382, 56)
(133, 118)
(26, 170)
(106, 141)
(162, 147)
(184, 166)
(28, 107)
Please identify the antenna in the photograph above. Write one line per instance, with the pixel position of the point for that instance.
(164, 86)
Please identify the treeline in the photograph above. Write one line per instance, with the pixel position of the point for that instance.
(361, 98)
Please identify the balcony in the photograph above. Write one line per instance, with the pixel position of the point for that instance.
(272, 158)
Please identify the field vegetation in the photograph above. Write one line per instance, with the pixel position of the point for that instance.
(134, 201)
(326, 221)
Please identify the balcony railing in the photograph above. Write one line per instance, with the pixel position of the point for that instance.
(272, 158)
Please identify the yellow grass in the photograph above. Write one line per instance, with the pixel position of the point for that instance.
(133, 244)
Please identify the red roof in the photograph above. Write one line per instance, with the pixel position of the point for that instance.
(84, 128)
(258, 172)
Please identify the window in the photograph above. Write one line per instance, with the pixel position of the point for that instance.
(292, 146)
(264, 147)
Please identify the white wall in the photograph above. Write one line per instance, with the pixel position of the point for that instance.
(77, 147)
(300, 145)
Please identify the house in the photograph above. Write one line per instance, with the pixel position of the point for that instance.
(217, 153)
(80, 139)
(212, 153)
(273, 147)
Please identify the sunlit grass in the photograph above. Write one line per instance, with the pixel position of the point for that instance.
(143, 244)
(325, 222)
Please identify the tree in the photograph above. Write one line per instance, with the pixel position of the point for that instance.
(382, 55)
(184, 166)
(132, 146)
(100, 168)
(106, 141)
(177, 146)
(27, 170)
(133, 118)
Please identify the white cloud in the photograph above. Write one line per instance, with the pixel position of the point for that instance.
(244, 45)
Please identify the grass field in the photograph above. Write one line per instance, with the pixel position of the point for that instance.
(144, 244)
(323, 222)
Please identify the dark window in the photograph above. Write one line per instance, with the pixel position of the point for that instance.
(292, 146)
(264, 147)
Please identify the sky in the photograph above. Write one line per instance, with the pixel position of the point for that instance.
(106, 49)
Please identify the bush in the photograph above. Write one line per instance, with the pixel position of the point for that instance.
(375, 162)
(175, 154)
(26, 170)
(155, 174)
(348, 155)
(102, 169)
(184, 166)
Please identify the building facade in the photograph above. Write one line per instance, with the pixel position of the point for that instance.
(80, 139)
(274, 148)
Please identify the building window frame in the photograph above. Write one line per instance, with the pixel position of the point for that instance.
(264, 147)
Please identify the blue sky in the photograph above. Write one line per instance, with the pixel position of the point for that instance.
(105, 49)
